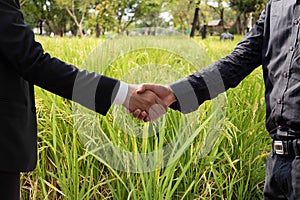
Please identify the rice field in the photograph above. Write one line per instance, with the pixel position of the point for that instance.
(233, 167)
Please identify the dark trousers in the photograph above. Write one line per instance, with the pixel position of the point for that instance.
(9, 186)
(282, 178)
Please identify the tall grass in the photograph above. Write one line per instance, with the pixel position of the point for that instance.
(233, 169)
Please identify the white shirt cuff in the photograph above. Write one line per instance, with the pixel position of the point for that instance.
(122, 94)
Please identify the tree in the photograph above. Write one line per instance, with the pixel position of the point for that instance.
(127, 12)
(243, 8)
(22, 2)
(151, 14)
(40, 12)
(218, 7)
(102, 17)
(119, 15)
(182, 12)
(196, 19)
(77, 10)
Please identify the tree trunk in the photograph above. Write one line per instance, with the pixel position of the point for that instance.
(78, 24)
(222, 19)
(98, 31)
(80, 30)
(245, 23)
(196, 20)
(41, 27)
(203, 31)
(182, 25)
(238, 24)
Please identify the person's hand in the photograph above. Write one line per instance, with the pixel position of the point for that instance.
(165, 93)
(149, 105)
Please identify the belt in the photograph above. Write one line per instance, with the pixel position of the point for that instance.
(286, 147)
(285, 133)
(286, 142)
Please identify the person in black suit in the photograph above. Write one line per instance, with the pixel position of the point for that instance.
(24, 64)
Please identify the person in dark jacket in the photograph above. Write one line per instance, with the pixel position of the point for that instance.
(24, 64)
(273, 43)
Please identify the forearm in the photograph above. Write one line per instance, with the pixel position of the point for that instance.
(226, 73)
(26, 57)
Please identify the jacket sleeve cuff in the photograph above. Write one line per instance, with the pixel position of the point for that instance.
(121, 94)
(187, 101)
(106, 93)
(95, 91)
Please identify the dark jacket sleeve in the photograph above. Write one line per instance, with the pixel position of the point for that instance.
(226, 73)
(27, 58)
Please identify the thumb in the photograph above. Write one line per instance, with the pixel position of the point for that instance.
(142, 88)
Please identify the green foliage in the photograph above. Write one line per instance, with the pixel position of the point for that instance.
(243, 8)
(119, 15)
(182, 11)
(246, 6)
(130, 11)
(77, 11)
(48, 12)
(151, 14)
(104, 16)
(234, 169)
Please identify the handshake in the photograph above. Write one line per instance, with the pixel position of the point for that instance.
(148, 102)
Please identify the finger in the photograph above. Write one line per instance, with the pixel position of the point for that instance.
(147, 119)
(136, 113)
(142, 116)
(141, 89)
(145, 114)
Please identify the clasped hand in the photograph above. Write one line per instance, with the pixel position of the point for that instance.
(148, 102)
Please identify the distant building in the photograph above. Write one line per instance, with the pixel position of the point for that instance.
(218, 26)
(215, 26)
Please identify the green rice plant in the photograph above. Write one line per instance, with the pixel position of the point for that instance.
(246, 141)
(233, 169)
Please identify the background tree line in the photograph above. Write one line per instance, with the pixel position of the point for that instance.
(100, 16)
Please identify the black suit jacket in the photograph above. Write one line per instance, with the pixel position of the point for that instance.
(24, 64)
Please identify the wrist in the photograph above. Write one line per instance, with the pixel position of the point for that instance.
(122, 94)
(172, 96)
(130, 92)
